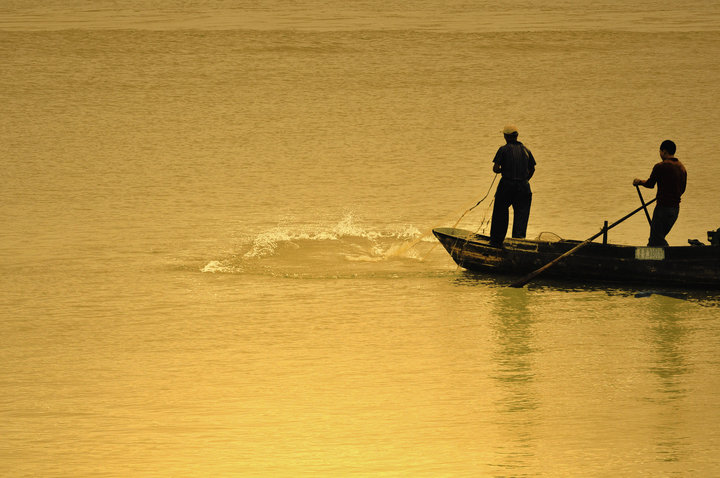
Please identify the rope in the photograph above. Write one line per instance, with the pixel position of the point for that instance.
(478, 203)
(463, 215)
(485, 221)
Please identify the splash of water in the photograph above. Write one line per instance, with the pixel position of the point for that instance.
(347, 240)
(215, 266)
(403, 250)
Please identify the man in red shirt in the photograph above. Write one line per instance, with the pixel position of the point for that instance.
(671, 178)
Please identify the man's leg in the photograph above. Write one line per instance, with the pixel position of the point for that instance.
(662, 221)
(521, 214)
(501, 216)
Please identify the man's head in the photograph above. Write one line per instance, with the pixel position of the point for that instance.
(510, 131)
(669, 148)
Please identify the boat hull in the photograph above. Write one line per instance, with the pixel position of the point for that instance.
(693, 266)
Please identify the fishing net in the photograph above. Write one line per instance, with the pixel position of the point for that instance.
(548, 237)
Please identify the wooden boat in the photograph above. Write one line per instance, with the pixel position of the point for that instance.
(691, 266)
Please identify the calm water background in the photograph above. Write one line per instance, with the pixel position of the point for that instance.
(214, 256)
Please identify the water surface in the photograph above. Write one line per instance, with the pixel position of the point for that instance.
(215, 258)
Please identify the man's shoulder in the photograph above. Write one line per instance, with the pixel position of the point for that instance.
(671, 163)
(503, 148)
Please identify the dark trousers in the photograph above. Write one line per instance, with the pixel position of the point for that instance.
(662, 221)
(518, 195)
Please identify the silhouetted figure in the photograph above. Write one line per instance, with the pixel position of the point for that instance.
(517, 165)
(671, 178)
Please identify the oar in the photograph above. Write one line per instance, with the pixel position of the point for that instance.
(587, 241)
(647, 214)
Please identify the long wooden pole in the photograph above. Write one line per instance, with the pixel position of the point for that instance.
(642, 201)
(534, 274)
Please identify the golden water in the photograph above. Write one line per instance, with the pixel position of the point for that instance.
(215, 257)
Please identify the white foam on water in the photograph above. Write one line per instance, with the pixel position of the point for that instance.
(222, 267)
(214, 266)
(347, 228)
(348, 240)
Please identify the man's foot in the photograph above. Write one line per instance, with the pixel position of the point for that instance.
(498, 245)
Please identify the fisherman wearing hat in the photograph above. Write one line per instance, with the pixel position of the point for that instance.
(517, 165)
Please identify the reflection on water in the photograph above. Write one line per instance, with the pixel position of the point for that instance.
(513, 326)
(669, 333)
(668, 339)
(513, 359)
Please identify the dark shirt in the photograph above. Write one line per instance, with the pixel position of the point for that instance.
(516, 161)
(671, 178)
